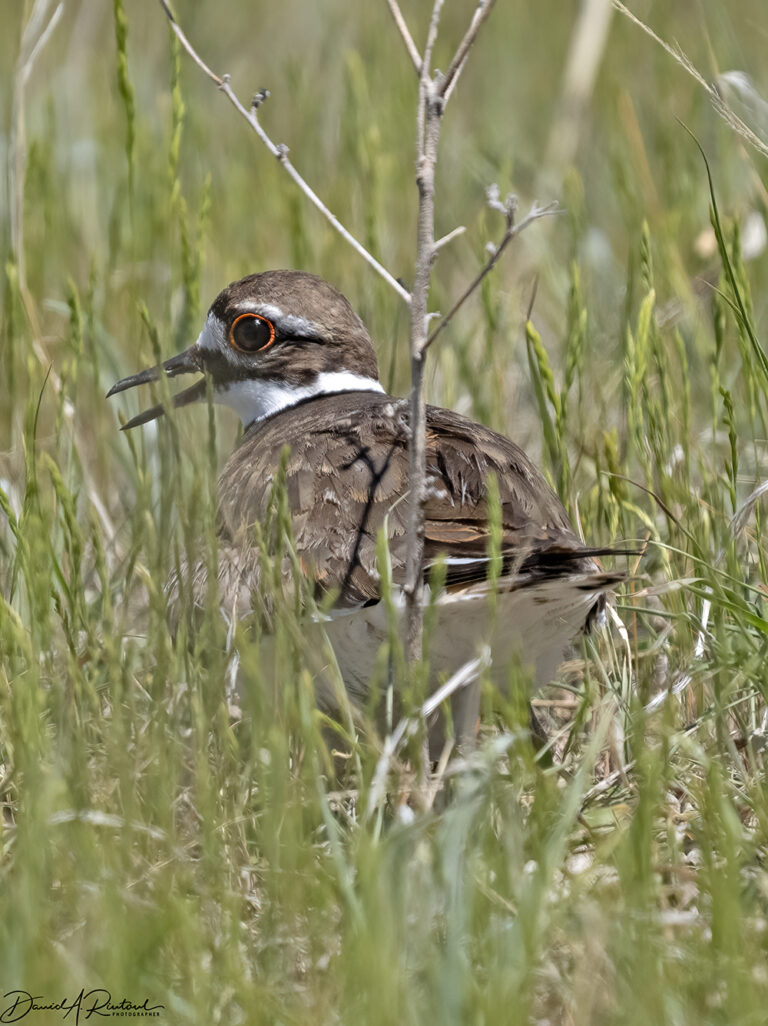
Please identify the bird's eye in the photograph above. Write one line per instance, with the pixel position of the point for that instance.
(251, 333)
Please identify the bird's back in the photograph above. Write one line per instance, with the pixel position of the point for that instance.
(346, 478)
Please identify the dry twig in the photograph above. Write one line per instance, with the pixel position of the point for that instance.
(434, 92)
(512, 230)
(456, 66)
(428, 121)
(402, 28)
(280, 152)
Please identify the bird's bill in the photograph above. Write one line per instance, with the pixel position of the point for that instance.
(187, 362)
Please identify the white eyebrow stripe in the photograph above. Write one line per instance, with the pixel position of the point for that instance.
(265, 309)
(290, 324)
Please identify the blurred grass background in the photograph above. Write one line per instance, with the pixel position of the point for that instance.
(158, 840)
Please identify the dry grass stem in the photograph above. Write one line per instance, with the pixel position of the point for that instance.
(714, 94)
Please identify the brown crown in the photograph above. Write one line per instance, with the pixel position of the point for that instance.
(338, 339)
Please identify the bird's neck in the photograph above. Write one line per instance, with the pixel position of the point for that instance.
(255, 399)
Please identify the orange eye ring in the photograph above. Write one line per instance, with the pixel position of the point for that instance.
(251, 333)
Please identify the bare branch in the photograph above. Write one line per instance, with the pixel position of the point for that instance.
(424, 83)
(456, 78)
(402, 28)
(434, 24)
(428, 120)
(280, 152)
(459, 230)
(456, 66)
(187, 45)
(512, 231)
(431, 104)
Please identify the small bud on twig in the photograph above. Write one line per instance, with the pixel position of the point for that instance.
(492, 198)
(258, 98)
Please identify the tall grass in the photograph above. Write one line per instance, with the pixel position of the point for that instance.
(163, 836)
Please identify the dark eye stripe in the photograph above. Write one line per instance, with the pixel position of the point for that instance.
(251, 333)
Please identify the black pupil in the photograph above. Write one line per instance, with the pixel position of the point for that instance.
(251, 333)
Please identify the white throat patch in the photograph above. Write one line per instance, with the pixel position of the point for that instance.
(256, 399)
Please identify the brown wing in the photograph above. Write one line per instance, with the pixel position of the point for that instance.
(346, 477)
(536, 535)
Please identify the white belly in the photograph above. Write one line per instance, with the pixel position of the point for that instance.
(531, 627)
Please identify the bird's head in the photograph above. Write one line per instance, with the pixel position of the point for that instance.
(269, 341)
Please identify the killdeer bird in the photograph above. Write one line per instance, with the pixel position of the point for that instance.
(287, 352)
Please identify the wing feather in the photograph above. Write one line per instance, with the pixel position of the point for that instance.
(346, 478)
